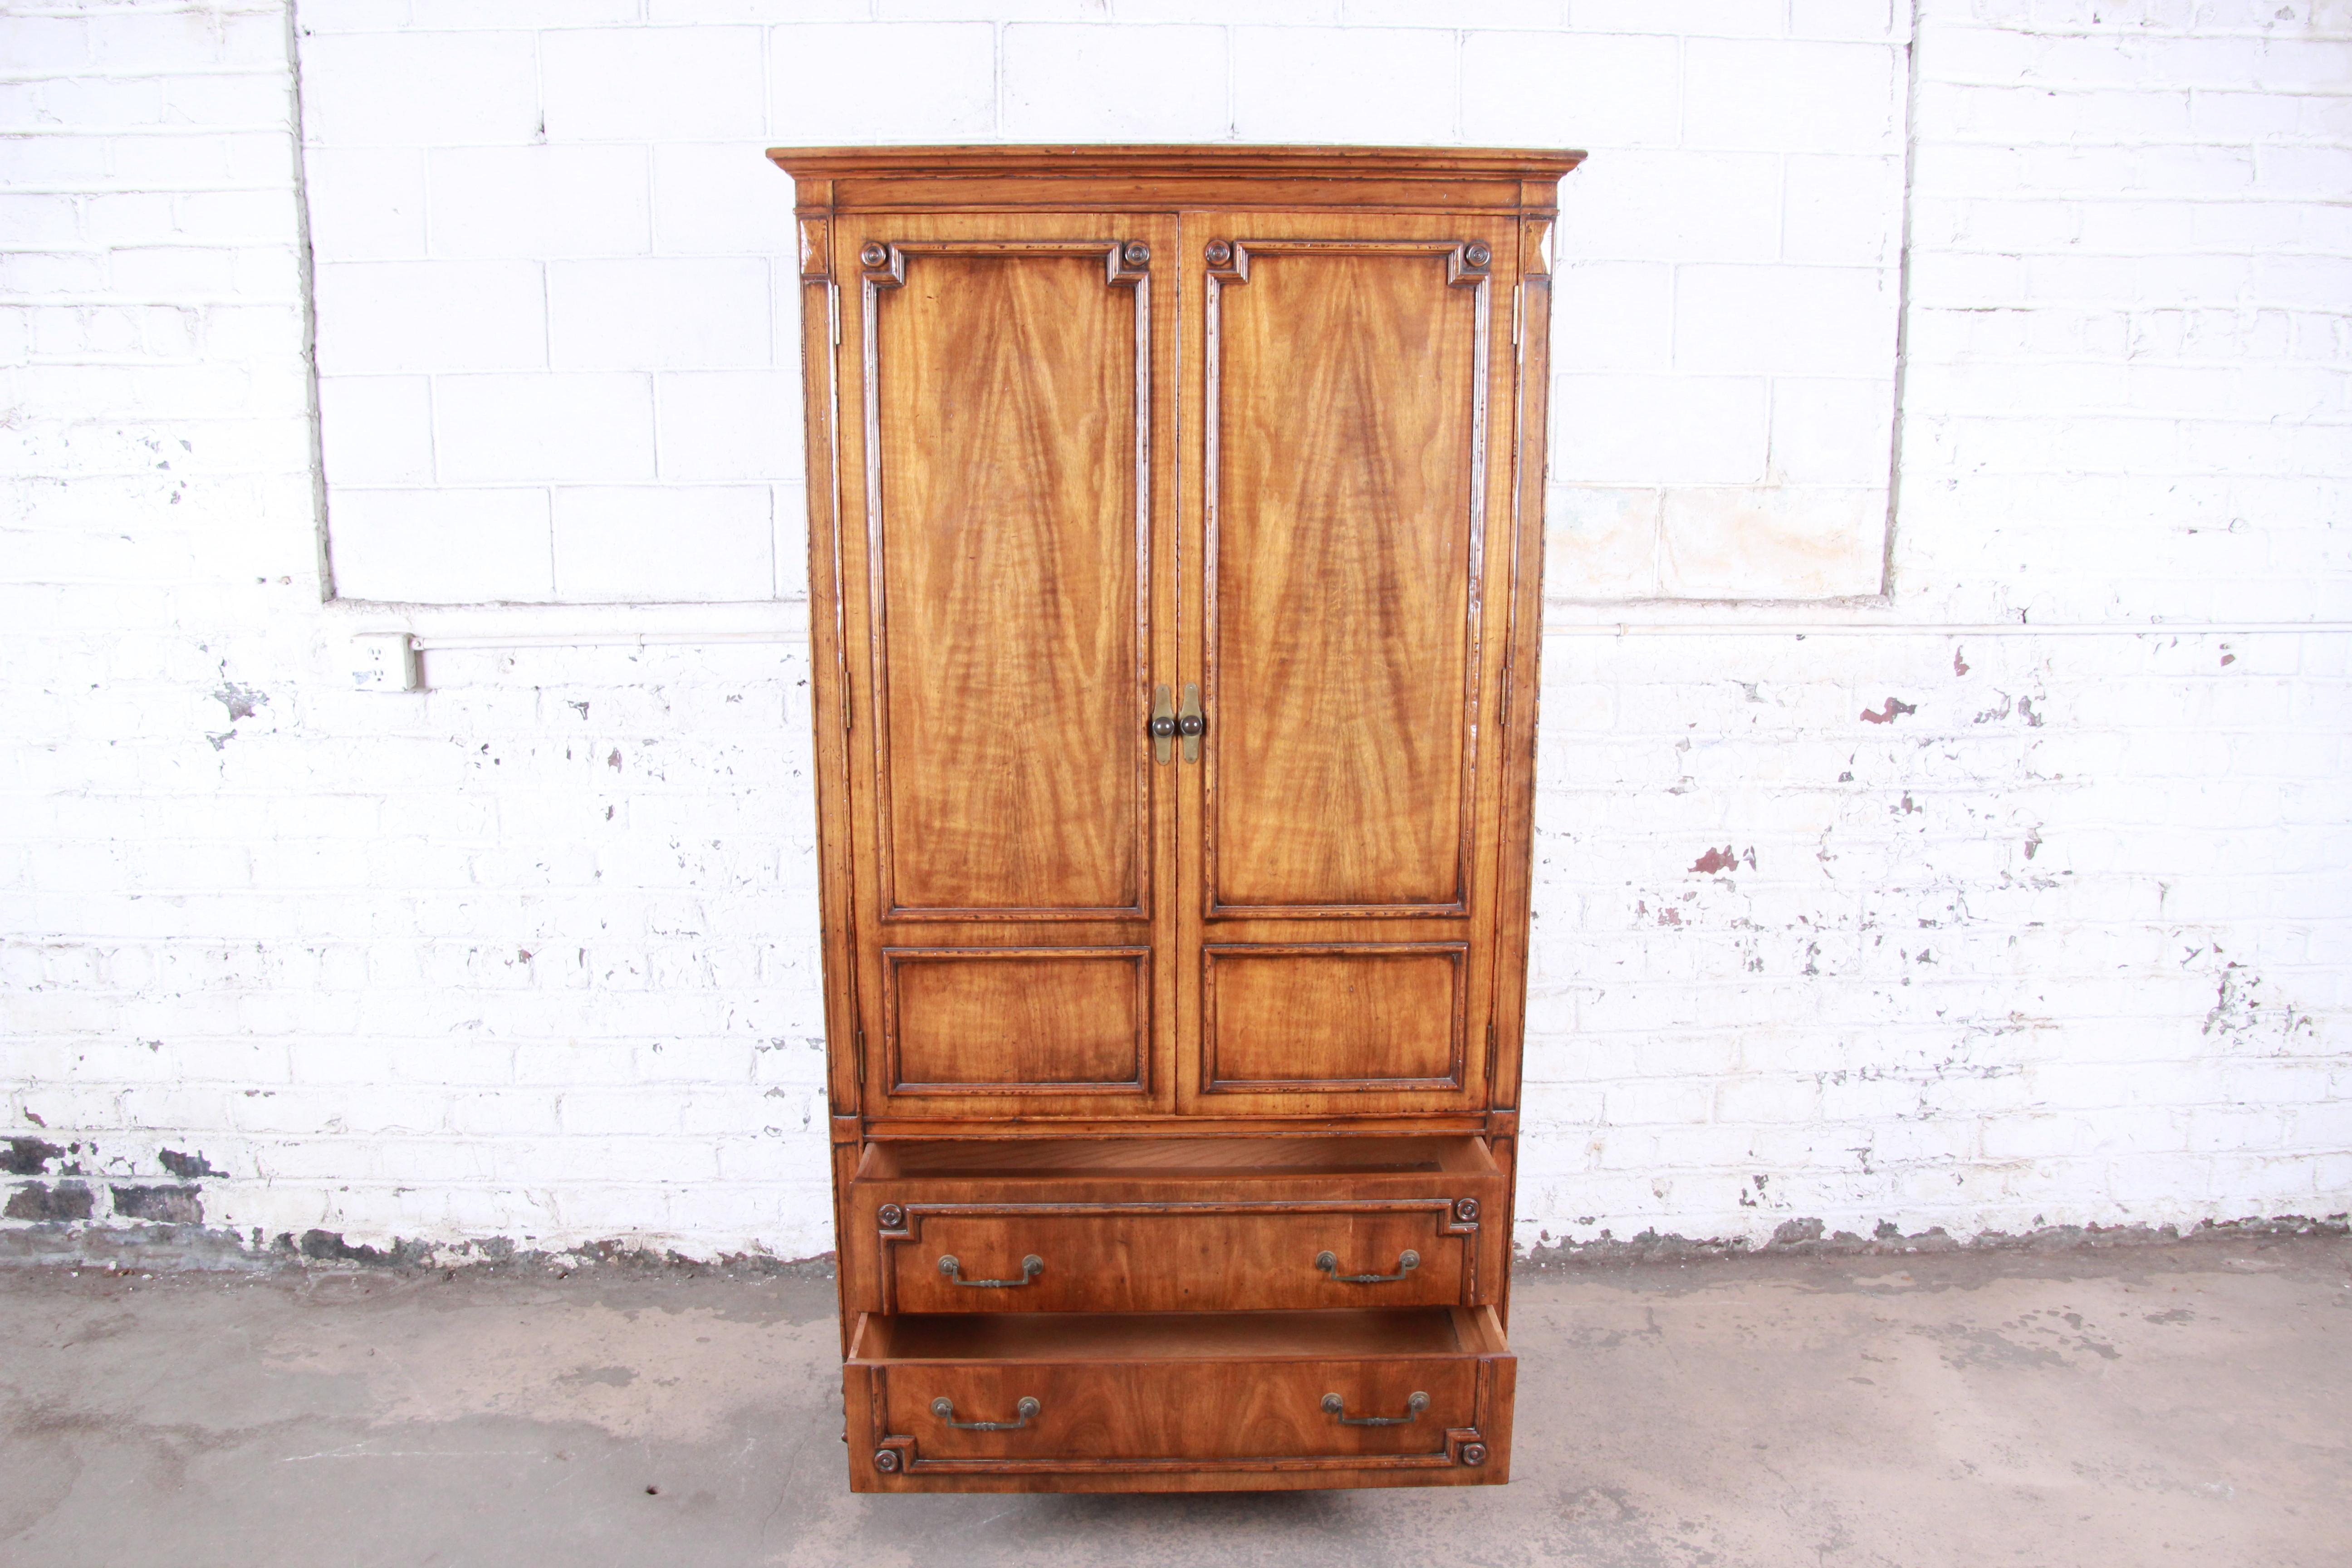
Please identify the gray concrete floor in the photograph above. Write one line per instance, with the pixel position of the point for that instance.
(2147, 1404)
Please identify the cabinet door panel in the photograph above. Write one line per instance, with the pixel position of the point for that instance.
(1059, 1019)
(1006, 388)
(1363, 1016)
(1006, 420)
(1347, 410)
(1339, 832)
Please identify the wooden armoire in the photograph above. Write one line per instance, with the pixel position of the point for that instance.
(1175, 549)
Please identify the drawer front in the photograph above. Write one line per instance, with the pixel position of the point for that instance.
(1163, 1258)
(1175, 1423)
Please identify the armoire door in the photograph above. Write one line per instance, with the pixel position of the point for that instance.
(1006, 413)
(1345, 610)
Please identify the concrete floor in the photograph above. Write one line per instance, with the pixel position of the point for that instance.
(2187, 1404)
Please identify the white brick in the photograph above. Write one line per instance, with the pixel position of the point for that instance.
(440, 15)
(830, 86)
(540, 202)
(666, 314)
(420, 89)
(1715, 544)
(352, 16)
(1413, 14)
(662, 12)
(1342, 84)
(366, 203)
(1843, 212)
(45, 45)
(990, 10)
(729, 425)
(376, 429)
(1701, 18)
(567, 424)
(1579, 89)
(652, 83)
(1820, 320)
(174, 40)
(1600, 544)
(724, 199)
(1143, 84)
(1613, 316)
(1658, 429)
(1831, 432)
(29, 221)
(646, 544)
(443, 546)
(1792, 97)
(382, 316)
(1860, 20)
(1673, 206)
(1283, 13)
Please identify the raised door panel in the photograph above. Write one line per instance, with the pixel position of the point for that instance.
(1296, 1016)
(1007, 382)
(1346, 514)
(1055, 1020)
(1356, 399)
(1007, 420)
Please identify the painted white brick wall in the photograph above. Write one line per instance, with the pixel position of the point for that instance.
(1729, 267)
(1907, 927)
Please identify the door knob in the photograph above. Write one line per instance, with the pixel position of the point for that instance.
(1162, 727)
(1191, 723)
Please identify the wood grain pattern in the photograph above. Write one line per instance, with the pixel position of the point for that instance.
(1006, 1019)
(1346, 443)
(1340, 1017)
(1007, 416)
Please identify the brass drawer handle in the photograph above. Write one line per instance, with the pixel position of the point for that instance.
(1030, 1266)
(944, 1408)
(1334, 1405)
(1407, 1261)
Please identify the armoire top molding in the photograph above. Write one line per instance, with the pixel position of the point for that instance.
(1227, 173)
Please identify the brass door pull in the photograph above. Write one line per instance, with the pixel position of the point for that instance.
(1407, 1261)
(1030, 1266)
(1334, 1405)
(1191, 723)
(944, 1408)
(1163, 725)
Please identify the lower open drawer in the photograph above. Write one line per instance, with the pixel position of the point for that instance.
(1179, 1401)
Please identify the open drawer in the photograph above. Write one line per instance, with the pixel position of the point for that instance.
(1179, 1401)
(1175, 1225)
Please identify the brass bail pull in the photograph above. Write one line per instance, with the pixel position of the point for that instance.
(1030, 1266)
(1162, 727)
(944, 1408)
(1407, 1261)
(1333, 1405)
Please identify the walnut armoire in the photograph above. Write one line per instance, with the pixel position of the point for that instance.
(1175, 549)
